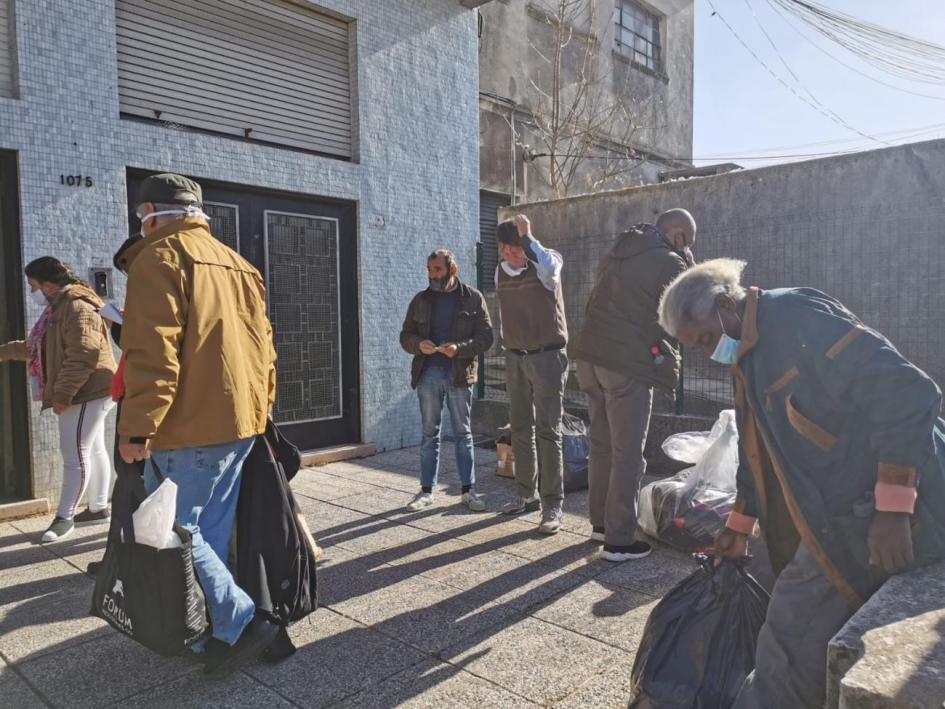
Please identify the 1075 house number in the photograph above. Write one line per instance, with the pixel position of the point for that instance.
(76, 180)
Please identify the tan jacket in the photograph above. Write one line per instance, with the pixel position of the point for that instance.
(77, 356)
(200, 361)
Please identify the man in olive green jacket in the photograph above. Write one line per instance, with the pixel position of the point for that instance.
(622, 353)
(199, 384)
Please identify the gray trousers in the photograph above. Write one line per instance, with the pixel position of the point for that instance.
(535, 385)
(619, 407)
(804, 613)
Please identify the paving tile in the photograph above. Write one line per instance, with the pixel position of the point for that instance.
(426, 614)
(608, 690)
(448, 516)
(435, 684)
(505, 579)
(343, 575)
(48, 622)
(655, 575)
(38, 580)
(16, 693)
(195, 691)
(326, 520)
(381, 502)
(19, 549)
(534, 659)
(326, 487)
(379, 536)
(101, 672)
(336, 658)
(564, 551)
(607, 612)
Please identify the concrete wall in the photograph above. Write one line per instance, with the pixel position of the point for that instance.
(417, 80)
(514, 31)
(866, 228)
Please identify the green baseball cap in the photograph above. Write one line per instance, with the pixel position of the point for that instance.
(168, 188)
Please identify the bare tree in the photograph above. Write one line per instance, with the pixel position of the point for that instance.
(581, 114)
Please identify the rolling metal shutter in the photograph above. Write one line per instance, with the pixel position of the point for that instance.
(266, 70)
(7, 64)
(489, 203)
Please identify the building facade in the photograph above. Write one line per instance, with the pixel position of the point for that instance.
(642, 59)
(337, 144)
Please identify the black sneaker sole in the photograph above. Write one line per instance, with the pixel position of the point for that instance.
(245, 655)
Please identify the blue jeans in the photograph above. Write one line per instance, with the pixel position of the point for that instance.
(436, 384)
(208, 488)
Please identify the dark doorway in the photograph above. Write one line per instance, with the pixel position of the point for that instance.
(306, 249)
(15, 474)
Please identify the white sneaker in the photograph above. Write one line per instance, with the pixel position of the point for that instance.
(474, 502)
(597, 534)
(550, 520)
(58, 530)
(421, 501)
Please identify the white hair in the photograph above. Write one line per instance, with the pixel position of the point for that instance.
(692, 295)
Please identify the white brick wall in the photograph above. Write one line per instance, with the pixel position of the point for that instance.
(417, 78)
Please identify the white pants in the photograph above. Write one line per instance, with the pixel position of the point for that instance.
(86, 464)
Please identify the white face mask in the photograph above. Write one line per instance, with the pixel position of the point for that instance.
(39, 298)
(182, 212)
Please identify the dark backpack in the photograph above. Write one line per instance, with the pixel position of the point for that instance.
(275, 551)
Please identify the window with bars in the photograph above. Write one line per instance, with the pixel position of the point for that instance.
(637, 36)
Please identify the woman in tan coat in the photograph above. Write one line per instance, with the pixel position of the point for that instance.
(70, 363)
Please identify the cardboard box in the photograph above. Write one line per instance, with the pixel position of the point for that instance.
(505, 461)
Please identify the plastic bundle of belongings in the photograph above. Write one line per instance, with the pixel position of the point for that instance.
(147, 587)
(575, 450)
(689, 510)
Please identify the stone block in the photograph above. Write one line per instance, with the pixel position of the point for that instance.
(891, 653)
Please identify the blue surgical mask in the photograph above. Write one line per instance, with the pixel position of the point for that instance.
(726, 352)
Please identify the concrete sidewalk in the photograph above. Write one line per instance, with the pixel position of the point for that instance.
(439, 608)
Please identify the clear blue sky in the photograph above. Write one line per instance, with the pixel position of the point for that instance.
(741, 110)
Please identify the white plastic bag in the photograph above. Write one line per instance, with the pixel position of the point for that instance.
(689, 509)
(154, 519)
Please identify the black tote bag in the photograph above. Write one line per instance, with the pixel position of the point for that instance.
(151, 595)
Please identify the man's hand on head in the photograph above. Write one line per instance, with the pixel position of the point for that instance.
(522, 224)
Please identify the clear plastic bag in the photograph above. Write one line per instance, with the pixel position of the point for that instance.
(689, 509)
(154, 519)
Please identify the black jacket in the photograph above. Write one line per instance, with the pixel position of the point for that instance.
(275, 551)
(472, 333)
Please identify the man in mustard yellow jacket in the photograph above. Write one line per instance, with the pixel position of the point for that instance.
(199, 385)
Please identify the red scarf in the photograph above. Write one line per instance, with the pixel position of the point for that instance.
(118, 381)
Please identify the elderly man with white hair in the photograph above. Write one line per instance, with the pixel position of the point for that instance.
(841, 460)
(622, 353)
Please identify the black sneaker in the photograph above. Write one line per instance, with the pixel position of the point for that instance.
(637, 550)
(279, 649)
(88, 517)
(58, 530)
(256, 637)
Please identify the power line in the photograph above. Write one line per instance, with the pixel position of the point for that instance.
(781, 81)
(898, 135)
(891, 51)
(798, 81)
(830, 56)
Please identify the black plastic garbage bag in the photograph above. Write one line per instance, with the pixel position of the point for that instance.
(699, 643)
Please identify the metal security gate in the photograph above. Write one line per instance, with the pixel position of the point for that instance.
(306, 250)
